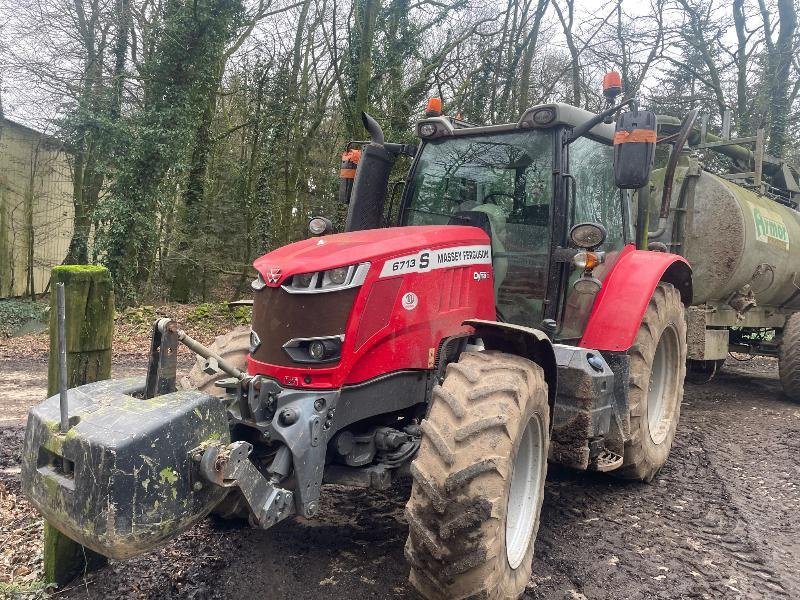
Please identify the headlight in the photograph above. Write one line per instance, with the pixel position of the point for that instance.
(587, 285)
(320, 226)
(314, 350)
(543, 116)
(303, 280)
(339, 278)
(587, 235)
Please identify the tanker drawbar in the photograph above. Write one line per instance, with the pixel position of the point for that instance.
(125, 476)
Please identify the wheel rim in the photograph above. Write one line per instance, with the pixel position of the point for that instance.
(662, 384)
(523, 497)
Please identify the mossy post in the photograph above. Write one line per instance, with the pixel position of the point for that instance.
(89, 326)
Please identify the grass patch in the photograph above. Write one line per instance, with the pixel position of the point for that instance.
(32, 590)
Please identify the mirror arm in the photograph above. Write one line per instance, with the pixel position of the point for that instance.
(583, 129)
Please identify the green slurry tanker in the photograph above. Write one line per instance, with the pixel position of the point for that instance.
(741, 235)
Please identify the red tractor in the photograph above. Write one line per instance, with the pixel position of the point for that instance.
(506, 320)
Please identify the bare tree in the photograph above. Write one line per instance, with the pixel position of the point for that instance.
(779, 57)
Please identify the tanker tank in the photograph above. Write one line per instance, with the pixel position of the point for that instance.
(739, 244)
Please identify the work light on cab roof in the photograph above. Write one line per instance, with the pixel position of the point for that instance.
(612, 85)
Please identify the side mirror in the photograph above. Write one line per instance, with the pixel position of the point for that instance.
(634, 149)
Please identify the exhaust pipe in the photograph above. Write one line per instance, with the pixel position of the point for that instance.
(371, 184)
(373, 129)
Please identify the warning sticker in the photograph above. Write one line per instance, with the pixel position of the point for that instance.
(770, 227)
(444, 258)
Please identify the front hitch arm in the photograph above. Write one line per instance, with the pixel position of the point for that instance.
(163, 361)
(230, 466)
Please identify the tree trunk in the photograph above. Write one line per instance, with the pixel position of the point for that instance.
(575, 66)
(366, 23)
(781, 60)
(742, 112)
(527, 58)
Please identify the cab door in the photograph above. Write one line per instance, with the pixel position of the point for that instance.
(596, 199)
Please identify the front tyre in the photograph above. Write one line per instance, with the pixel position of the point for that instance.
(657, 370)
(234, 347)
(478, 479)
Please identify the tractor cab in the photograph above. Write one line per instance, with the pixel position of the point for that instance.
(527, 188)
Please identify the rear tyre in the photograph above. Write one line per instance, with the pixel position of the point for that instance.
(657, 370)
(233, 347)
(789, 358)
(478, 479)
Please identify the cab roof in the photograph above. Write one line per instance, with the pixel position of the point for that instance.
(541, 116)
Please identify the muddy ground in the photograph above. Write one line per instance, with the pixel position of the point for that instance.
(721, 520)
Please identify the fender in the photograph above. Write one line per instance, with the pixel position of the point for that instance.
(522, 341)
(628, 287)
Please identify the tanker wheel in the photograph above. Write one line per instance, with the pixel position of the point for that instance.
(789, 358)
(478, 479)
(657, 370)
(233, 347)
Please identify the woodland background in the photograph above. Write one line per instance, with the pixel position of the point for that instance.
(203, 133)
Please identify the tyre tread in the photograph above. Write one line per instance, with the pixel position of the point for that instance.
(789, 358)
(456, 509)
(664, 305)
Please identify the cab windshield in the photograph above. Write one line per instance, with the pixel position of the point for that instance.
(509, 178)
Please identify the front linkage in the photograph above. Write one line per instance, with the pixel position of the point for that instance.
(296, 419)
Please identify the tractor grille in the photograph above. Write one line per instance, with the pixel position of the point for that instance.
(279, 316)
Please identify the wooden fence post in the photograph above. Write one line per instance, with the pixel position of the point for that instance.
(89, 326)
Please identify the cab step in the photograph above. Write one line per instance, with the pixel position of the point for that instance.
(606, 461)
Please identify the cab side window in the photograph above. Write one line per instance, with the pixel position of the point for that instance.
(597, 198)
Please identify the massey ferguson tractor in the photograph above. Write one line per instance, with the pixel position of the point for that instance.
(516, 314)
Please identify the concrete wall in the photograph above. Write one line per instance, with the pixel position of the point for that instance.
(35, 208)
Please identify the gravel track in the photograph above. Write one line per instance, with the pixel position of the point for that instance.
(720, 520)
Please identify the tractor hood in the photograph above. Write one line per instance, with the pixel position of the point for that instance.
(373, 245)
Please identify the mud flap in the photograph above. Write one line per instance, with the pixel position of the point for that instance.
(124, 478)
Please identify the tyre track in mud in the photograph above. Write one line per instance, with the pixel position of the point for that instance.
(718, 522)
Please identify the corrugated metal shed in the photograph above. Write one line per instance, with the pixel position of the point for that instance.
(35, 208)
